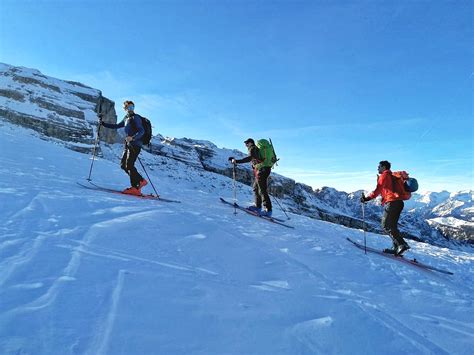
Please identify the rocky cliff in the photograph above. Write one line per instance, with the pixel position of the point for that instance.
(58, 109)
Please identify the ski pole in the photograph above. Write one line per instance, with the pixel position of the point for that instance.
(151, 182)
(288, 217)
(363, 227)
(146, 173)
(279, 204)
(235, 187)
(95, 146)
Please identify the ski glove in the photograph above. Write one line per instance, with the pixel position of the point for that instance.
(364, 199)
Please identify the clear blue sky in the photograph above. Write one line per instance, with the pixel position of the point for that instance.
(337, 85)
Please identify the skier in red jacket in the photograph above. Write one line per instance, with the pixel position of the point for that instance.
(393, 206)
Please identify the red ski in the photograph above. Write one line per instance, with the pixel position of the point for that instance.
(95, 187)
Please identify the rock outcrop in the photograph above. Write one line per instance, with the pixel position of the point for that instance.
(62, 110)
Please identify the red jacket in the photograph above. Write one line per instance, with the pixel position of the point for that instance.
(385, 185)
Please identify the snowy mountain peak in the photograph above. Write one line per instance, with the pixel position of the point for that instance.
(433, 198)
(35, 77)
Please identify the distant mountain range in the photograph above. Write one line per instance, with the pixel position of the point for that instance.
(65, 112)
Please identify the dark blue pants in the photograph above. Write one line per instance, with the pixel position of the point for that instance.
(129, 157)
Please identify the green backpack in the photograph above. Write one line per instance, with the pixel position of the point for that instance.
(268, 156)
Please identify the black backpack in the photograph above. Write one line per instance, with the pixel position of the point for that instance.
(146, 138)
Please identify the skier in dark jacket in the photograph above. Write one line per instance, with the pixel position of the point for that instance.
(393, 206)
(132, 123)
(260, 184)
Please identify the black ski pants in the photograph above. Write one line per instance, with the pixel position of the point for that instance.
(391, 215)
(260, 188)
(129, 157)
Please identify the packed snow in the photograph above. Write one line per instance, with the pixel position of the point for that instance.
(89, 272)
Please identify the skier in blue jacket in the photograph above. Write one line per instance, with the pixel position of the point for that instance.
(132, 123)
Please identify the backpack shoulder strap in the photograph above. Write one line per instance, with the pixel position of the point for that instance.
(393, 182)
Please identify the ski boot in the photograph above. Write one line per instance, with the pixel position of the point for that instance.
(401, 249)
(255, 209)
(142, 184)
(391, 250)
(132, 191)
(266, 213)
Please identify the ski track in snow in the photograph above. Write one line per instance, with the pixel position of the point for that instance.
(463, 328)
(399, 329)
(105, 330)
(94, 273)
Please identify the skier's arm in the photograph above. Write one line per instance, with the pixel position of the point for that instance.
(121, 124)
(252, 156)
(383, 182)
(244, 160)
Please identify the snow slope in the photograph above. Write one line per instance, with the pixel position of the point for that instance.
(86, 272)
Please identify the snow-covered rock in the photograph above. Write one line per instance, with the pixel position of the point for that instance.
(57, 109)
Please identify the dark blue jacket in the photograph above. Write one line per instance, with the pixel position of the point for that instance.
(133, 127)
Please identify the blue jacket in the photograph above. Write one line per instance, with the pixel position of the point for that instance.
(133, 127)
